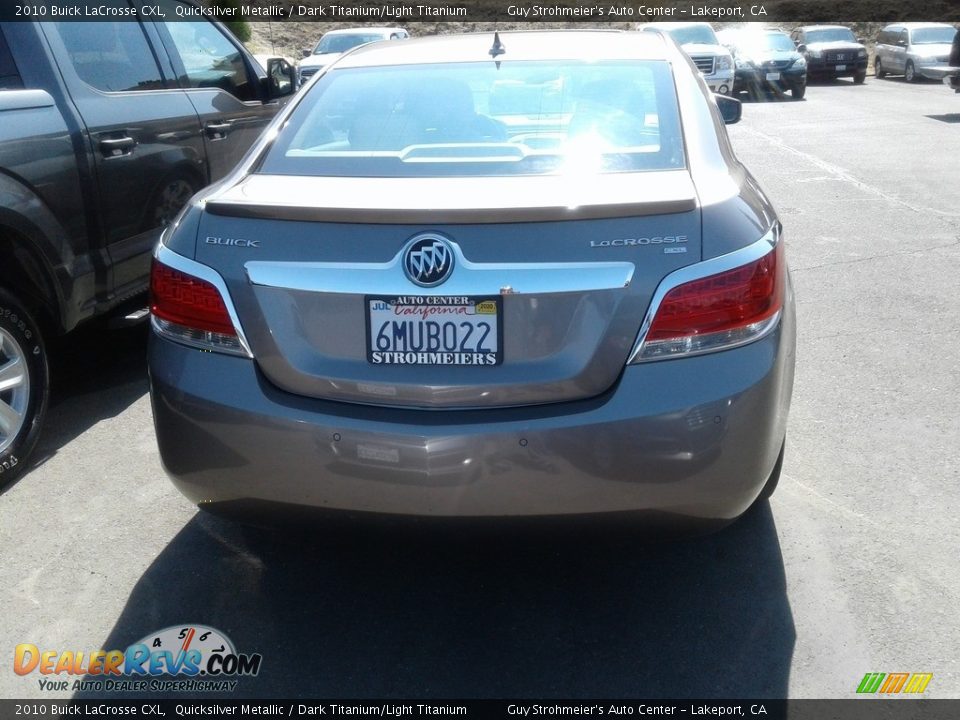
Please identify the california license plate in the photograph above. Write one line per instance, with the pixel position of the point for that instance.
(773, 76)
(434, 330)
(841, 67)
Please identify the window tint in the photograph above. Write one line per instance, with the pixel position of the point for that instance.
(475, 119)
(340, 43)
(831, 35)
(9, 77)
(687, 34)
(209, 58)
(111, 56)
(933, 35)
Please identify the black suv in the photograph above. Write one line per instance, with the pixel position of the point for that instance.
(106, 130)
(831, 51)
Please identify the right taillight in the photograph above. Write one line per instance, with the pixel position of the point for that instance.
(719, 311)
(191, 311)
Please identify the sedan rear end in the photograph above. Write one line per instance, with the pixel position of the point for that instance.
(477, 276)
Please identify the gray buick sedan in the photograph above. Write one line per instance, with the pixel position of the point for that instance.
(482, 275)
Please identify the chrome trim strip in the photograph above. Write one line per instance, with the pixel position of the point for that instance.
(191, 267)
(700, 270)
(25, 99)
(467, 278)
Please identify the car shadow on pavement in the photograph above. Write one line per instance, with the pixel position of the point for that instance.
(417, 613)
(96, 373)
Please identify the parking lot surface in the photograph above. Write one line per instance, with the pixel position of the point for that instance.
(851, 568)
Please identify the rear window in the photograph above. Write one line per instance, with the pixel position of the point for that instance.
(342, 43)
(477, 119)
(693, 34)
(830, 35)
(932, 35)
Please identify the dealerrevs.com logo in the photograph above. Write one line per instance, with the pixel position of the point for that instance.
(894, 683)
(178, 658)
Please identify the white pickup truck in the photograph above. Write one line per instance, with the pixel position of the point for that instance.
(700, 43)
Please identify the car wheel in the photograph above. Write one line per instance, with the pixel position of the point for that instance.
(24, 386)
(910, 74)
(878, 69)
(774, 479)
(798, 91)
(860, 77)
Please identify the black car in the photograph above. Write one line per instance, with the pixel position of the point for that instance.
(107, 128)
(831, 51)
(765, 61)
(954, 79)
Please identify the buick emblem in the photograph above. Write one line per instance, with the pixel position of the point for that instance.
(428, 260)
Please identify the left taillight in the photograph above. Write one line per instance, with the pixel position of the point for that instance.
(191, 310)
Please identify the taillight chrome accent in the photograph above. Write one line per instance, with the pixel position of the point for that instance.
(718, 304)
(190, 304)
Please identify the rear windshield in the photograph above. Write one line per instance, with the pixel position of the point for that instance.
(759, 42)
(341, 43)
(693, 34)
(473, 119)
(932, 35)
(830, 35)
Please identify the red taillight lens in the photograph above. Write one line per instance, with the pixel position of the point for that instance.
(189, 301)
(720, 303)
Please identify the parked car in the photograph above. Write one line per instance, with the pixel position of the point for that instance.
(914, 50)
(699, 41)
(336, 42)
(454, 286)
(831, 51)
(106, 130)
(952, 78)
(765, 60)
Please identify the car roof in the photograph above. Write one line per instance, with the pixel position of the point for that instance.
(825, 27)
(363, 30)
(917, 25)
(590, 45)
(673, 25)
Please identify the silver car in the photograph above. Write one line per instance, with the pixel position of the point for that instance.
(914, 50)
(481, 275)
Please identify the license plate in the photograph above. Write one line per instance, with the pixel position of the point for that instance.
(841, 67)
(434, 330)
(773, 76)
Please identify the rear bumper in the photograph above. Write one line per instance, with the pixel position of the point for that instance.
(720, 82)
(757, 77)
(692, 439)
(830, 70)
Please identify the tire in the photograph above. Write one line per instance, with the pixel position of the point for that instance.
(878, 69)
(24, 386)
(798, 91)
(910, 73)
(860, 78)
(771, 485)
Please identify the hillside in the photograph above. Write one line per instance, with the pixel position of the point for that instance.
(289, 38)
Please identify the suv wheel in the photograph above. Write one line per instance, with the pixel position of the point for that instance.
(860, 77)
(878, 69)
(24, 386)
(798, 91)
(910, 74)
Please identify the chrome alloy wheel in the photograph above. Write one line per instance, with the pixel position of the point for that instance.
(14, 389)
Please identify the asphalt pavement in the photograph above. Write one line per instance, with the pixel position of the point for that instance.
(851, 568)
